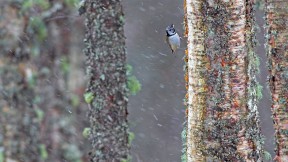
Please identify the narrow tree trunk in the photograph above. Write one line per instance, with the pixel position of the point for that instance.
(222, 112)
(195, 79)
(106, 92)
(277, 51)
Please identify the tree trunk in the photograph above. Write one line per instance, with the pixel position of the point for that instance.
(222, 114)
(195, 79)
(39, 120)
(277, 51)
(106, 93)
(19, 131)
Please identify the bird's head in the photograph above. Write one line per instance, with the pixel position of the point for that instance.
(170, 30)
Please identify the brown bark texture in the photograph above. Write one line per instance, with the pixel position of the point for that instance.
(224, 70)
(106, 71)
(277, 52)
(196, 81)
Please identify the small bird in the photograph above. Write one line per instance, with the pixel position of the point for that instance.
(172, 38)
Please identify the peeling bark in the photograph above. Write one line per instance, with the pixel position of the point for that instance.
(277, 51)
(106, 60)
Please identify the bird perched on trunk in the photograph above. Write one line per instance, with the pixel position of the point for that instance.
(172, 38)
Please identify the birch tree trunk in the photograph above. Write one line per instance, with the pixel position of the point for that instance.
(221, 95)
(277, 51)
(106, 93)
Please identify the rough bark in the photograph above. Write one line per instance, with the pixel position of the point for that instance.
(277, 51)
(106, 60)
(196, 83)
(223, 72)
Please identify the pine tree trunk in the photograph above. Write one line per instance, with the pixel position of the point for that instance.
(222, 114)
(277, 51)
(19, 131)
(106, 70)
(38, 120)
(195, 79)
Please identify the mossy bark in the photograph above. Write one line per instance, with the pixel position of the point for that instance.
(223, 117)
(277, 51)
(106, 71)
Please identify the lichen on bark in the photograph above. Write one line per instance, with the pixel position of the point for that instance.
(276, 42)
(106, 71)
(195, 78)
(228, 123)
(233, 132)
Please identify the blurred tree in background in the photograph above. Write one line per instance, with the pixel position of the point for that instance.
(42, 116)
(20, 126)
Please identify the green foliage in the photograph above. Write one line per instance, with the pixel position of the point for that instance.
(131, 137)
(183, 158)
(27, 4)
(129, 159)
(43, 152)
(39, 113)
(65, 66)
(71, 3)
(75, 101)
(72, 153)
(257, 63)
(38, 27)
(86, 132)
(259, 91)
(133, 85)
(129, 69)
(1, 154)
(88, 97)
(31, 79)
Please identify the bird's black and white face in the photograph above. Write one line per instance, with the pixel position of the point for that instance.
(170, 30)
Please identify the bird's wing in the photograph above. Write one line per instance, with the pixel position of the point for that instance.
(165, 38)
